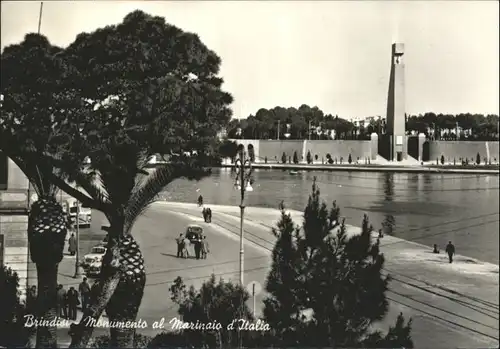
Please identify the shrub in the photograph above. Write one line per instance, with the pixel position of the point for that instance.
(442, 159)
(295, 158)
(478, 159)
(309, 157)
(283, 158)
(349, 159)
(13, 333)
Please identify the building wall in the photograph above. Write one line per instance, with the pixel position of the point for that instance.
(14, 226)
(16, 177)
(463, 149)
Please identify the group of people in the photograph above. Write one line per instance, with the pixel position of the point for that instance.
(450, 250)
(67, 301)
(201, 248)
(207, 212)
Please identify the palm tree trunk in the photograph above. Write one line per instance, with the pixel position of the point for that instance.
(125, 302)
(46, 235)
(120, 291)
(46, 336)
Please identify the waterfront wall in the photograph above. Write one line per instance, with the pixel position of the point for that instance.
(421, 150)
(463, 149)
(274, 149)
(340, 148)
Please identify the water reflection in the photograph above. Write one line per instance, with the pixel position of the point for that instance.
(389, 221)
(423, 203)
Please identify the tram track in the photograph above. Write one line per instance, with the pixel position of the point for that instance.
(456, 309)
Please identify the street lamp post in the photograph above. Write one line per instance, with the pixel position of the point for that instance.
(78, 268)
(243, 184)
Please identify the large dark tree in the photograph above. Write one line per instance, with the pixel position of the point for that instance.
(151, 88)
(326, 288)
(142, 87)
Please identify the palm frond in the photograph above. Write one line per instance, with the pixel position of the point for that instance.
(88, 182)
(146, 192)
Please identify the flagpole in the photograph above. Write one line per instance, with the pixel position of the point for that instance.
(40, 17)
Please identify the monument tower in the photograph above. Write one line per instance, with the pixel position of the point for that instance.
(395, 121)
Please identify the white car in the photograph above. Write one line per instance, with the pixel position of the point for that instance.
(94, 257)
(94, 269)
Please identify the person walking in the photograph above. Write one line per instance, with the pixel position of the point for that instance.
(281, 206)
(84, 289)
(197, 247)
(62, 309)
(73, 302)
(31, 296)
(180, 242)
(200, 201)
(204, 248)
(450, 249)
(209, 215)
(72, 244)
(94, 291)
(380, 234)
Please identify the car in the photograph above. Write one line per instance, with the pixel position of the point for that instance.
(194, 232)
(94, 269)
(95, 256)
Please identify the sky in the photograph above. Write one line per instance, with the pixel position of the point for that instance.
(335, 55)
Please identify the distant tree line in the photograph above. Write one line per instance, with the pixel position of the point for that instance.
(312, 123)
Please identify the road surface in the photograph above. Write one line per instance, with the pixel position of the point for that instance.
(452, 306)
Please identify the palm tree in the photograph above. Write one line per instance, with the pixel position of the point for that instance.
(47, 229)
(122, 189)
(30, 128)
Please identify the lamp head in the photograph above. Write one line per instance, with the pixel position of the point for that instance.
(248, 187)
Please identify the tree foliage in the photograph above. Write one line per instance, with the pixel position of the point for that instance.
(117, 96)
(283, 158)
(215, 302)
(309, 157)
(228, 149)
(295, 121)
(326, 287)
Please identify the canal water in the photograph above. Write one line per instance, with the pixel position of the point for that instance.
(426, 208)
